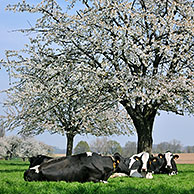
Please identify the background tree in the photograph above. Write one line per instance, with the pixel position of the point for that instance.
(14, 143)
(4, 147)
(13, 146)
(189, 149)
(113, 147)
(41, 101)
(162, 147)
(2, 130)
(49, 93)
(105, 146)
(129, 149)
(81, 147)
(136, 53)
(174, 146)
(30, 147)
(99, 145)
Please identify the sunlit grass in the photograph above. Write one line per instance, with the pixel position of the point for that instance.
(11, 181)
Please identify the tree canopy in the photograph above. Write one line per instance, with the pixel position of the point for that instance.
(81, 147)
(135, 55)
(14, 146)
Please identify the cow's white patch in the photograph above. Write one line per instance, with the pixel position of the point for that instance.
(133, 171)
(35, 168)
(136, 174)
(89, 154)
(103, 181)
(168, 157)
(145, 158)
(173, 173)
(118, 175)
(132, 160)
(149, 175)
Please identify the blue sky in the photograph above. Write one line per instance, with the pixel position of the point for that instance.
(167, 126)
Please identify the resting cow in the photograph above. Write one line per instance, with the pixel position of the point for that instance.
(81, 168)
(133, 164)
(37, 160)
(166, 164)
(144, 169)
(139, 165)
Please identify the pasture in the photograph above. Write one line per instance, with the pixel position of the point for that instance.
(11, 181)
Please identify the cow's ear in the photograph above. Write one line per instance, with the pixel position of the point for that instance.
(136, 158)
(154, 159)
(117, 157)
(161, 155)
(176, 157)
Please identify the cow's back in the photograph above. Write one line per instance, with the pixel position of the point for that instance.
(81, 168)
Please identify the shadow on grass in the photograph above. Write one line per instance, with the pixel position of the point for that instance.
(10, 166)
(12, 170)
(16, 164)
(186, 171)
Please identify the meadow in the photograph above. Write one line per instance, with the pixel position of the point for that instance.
(11, 181)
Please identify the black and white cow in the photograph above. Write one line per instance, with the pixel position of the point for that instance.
(168, 165)
(139, 165)
(37, 160)
(165, 164)
(145, 167)
(81, 168)
(157, 163)
(132, 164)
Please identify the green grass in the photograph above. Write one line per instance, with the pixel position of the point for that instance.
(11, 181)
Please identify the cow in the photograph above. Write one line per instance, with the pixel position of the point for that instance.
(84, 167)
(139, 165)
(145, 168)
(133, 164)
(156, 163)
(37, 160)
(168, 163)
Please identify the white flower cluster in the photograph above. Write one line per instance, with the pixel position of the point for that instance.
(13, 146)
(79, 67)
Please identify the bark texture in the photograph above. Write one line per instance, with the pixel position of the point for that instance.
(143, 120)
(70, 138)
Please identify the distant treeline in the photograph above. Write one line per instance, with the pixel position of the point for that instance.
(105, 146)
(13, 146)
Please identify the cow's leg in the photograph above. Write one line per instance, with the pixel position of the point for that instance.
(149, 175)
(103, 181)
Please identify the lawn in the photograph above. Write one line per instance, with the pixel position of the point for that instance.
(11, 181)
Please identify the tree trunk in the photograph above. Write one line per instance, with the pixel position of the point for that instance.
(144, 127)
(143, 120)
(70, 138)
(144, 134)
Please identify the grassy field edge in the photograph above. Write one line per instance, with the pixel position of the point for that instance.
(11, 181)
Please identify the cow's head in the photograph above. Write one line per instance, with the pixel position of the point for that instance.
(37, 160)
(135, 162)
(138, 162)
(32, 174)
(170, 164)
(145, 161)
(169, 157)
(120, 164)
(155, 163)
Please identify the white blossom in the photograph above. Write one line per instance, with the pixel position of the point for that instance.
(83, 64)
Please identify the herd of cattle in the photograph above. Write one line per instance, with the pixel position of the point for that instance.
(95, 167)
